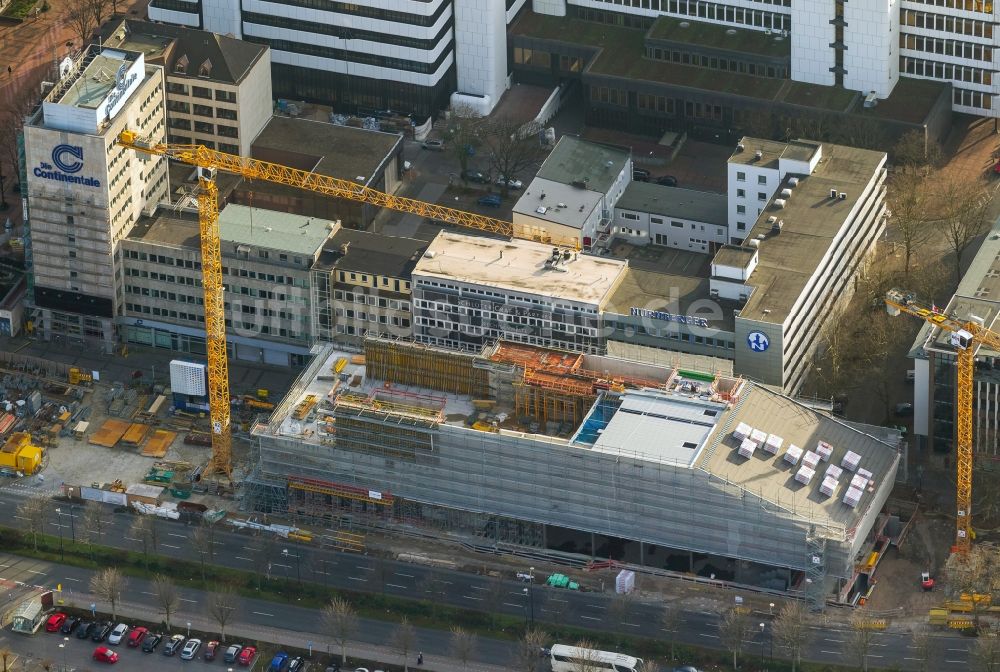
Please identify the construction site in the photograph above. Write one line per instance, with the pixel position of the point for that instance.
(522, 448)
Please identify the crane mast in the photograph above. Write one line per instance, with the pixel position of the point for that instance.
(966, 336)
(208, 161)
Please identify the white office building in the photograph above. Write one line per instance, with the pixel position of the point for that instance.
(85, 192)
(860, 45)
(400, 55)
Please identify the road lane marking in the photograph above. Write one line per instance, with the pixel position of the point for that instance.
(912, 658)
(261, 613)
(277, 564)
(354, 578)
(511, 604)
(170, 546)
(184, 599)
(240, 557)
(174, 534)
(470, 597)
(838, 641)
(409, 576)
(960, 650)
(147, 593)
(395, 585)
(959, 662)
(131, 539)
(590, 618)
(832, 653)
(70, 578)
(704, 634)
(478, 588)
(35, 571)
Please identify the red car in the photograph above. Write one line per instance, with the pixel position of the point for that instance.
(105, 655)
(210, 650)
(55, 622)
(136, 636)
(247, 655)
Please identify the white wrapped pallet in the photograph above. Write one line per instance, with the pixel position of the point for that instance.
(829, 486)
(742, 431)
(625, 582)
(824, 450)
(859, 482)
(773, 443)
(834, 472)
(804, 475)
(867, 474)
(851, 461)
(759, 436)
(852, 497)
(747, 448)
(793, 454)
(810, 459)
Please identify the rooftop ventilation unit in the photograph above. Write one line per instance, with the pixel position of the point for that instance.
(786, 193)
(754, 242)
(758, 155)
(772, 219)
(579, 184)
(793, 182)
(833, 193)
(541, 209)
(740, 147)
(777, 226)
(842, 195)
(779, 203)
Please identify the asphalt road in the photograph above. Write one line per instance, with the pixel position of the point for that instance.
(360, 573)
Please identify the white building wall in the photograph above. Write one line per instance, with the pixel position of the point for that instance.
(174, 17)
(255, 102)
(922, 411)
(550, 7)
(481, 49)
(872, 38)
(641, 228)
(746, 183)
(812, 34)
(221, 16)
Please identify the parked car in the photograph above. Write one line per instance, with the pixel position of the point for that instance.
(489, 200)
(172, 646)
(85, 629)
(247, 655)
(118, 634)
(55, 622)
(278, 662)
(71, 624)
(474, 176)
(667, 181)
(333, 667)
(102, 630)
(190, 649)
(296, 664)
(640, 175)
(103, 654)
(904, 409)
(433, 145)
(512, 183)
(136, 636)
(151, 641)
(210, 650)
(232, 653)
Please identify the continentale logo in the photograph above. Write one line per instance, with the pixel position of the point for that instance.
(67, 160)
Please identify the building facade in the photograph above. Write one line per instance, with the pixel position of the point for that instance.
(409, 56)
(85, 192)
(266, 256)
(218, 88)
(651, 214)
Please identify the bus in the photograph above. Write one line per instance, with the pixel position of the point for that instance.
(574, 659)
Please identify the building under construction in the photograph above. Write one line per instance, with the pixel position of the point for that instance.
(577, 454)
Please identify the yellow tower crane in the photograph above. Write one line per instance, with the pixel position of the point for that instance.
(208, 161)
(966, 336)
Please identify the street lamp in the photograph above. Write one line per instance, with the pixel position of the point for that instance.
(530, 593)
(62, 554)
(189, 629)
(62, 646)
(762, 644)
(72, 523)
(770, 609)
(298, 566)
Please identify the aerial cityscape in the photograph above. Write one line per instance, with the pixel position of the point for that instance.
(499, 335)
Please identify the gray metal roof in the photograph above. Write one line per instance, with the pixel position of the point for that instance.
(700, 206)
(574, 159)
(563, 204)
(670, 429)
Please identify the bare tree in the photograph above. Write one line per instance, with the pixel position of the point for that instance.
(108, 585)
(463, 645)
(167, 596)
(670, 621)
(513, 148)
(99, 9)
(621, 607)
(262, 556)
(341, 622)
(80, 17)
(791, 631)
(588, 657)
(95, 519)
(463, 134)
(203, 541)
(222, 604)
(860, 638)
(143, 530)
(34, 511)
(923, 646)
(963, 204)
(494, 596)
(403, 640)
(526, 654)
(987, 650)
(913, 152)
(907, 201)
(734, 627)
(648, 666)
(6, 656)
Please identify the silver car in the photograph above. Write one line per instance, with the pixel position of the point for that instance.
(190, 649)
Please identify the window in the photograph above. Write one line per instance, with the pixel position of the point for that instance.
(741, 226)
(761, 196)
(630, 215)
(741, 177)
(741, 193)
(762, 179)
(741, 209)
(201, 92)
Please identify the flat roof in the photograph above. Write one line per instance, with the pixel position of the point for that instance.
(720, 37)
(787, 260)
(672, 293)
(737, 256)
(773, 479)
(92, 86)
(700, 206)
(374, 253)
(574, 159)
(237, 224)
(562, 203)
(519, 266)
(327, 149)
(771, 151)
(667, 428)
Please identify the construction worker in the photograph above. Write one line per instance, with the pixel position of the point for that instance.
(420, 658)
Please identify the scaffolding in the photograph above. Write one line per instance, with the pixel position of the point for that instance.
(407, 363)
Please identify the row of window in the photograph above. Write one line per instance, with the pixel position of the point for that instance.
(761, 195)
(944, 23)
(980, 6)
(673, 333)
(367, 299)
(140, 309)
(696, 8)
(345, 33)
(938, 70)
(163, 277)
(353, 56)
(716, 63)
(354, 9)
(945, 47)
(742, 177)
(187, 140)
(982, 101)
(372, 317)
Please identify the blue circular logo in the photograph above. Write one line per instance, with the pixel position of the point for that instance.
(758, 341)
(60, 154)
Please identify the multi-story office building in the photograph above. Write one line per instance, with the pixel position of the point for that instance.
(266, 257)
(361, 286)
(218, 88)
(409, 56)
(85, 192)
